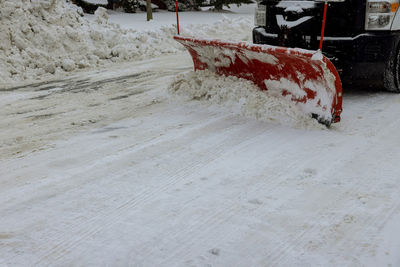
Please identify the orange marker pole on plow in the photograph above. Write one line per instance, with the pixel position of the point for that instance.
(323, 25)
(177, 16)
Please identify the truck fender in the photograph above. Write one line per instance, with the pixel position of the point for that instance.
(396, 22)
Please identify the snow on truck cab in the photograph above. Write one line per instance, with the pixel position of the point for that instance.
(361, 36)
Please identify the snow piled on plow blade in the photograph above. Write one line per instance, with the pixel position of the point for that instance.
(240, 96)
(307, 78)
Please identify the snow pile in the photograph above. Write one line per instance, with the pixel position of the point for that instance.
(238, 29)
(240, 96)
(41, 38)
(97, 2)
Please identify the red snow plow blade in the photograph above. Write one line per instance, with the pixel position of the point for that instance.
(305, 77)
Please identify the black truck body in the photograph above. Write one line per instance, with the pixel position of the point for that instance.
(359, 55)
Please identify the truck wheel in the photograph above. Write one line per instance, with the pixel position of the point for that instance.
(391, 80)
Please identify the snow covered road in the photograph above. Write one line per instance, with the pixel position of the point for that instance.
(106, 169)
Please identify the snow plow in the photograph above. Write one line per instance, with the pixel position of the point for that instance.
(305, 77)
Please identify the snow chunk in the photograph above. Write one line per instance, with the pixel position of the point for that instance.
(68, 65)
(101, 15)
(294, 8)
(317, 55)
(280, 20)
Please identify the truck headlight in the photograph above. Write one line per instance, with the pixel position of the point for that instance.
(378, 21)
(379, 7)
(380, 14)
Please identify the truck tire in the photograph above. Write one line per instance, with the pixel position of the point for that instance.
(391, 79)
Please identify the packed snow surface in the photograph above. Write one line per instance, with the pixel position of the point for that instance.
(105, 168)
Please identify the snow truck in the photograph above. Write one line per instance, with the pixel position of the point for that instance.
(361, 36)
(285, 58)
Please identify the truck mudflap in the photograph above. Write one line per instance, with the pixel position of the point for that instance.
(305, 77)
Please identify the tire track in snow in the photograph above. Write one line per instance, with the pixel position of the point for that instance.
(368, 222)
(277, 182)
(130, 81)
(141, 198)
(266, 189)
(356, 188)
(227, 211)
(146, 140)
(209, 156)
(372, 222)
(203, 224)
(145, 144)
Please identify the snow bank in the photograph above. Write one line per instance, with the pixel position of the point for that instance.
(97, 2)
(42, 38)
(238, 29)
(240, 96)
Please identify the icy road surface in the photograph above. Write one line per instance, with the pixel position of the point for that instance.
(106, 169)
